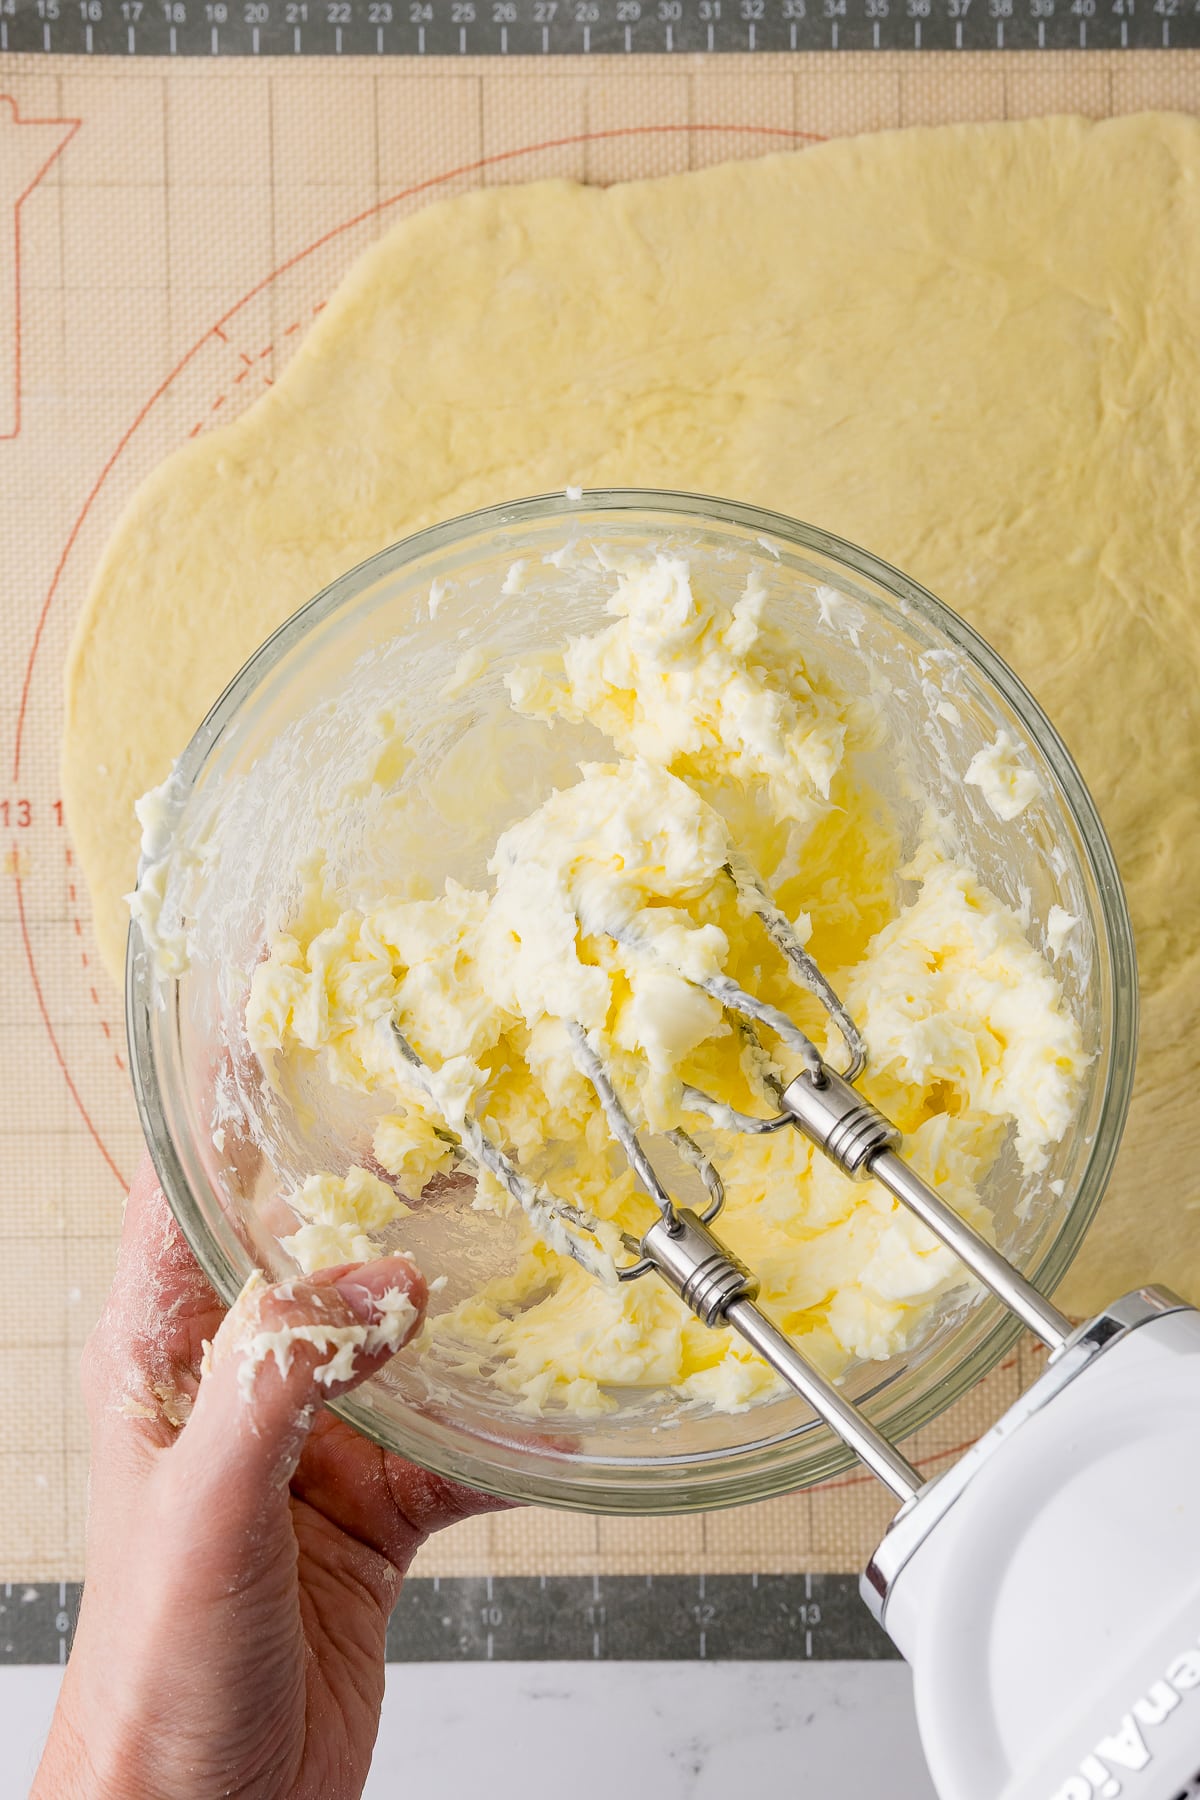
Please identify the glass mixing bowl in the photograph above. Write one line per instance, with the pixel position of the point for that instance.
(277, 746)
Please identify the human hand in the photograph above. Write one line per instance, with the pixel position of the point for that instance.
(244, 1548)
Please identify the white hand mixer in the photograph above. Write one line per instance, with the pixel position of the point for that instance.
(1046, 1587)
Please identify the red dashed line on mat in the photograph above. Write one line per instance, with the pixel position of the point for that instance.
(248, 363)
(73, 897)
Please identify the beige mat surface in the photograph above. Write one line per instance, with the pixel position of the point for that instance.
(167, 230)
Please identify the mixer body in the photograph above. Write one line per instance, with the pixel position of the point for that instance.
(1046, 1589)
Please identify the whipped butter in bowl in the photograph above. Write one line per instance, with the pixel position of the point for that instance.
(510, 775)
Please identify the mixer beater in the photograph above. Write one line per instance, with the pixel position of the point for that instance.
(1046, 1587)
(821, 1103)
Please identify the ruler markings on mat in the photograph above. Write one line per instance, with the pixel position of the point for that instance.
(558, 1618)
(585, 27)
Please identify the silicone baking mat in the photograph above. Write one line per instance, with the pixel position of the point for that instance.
(167, 231)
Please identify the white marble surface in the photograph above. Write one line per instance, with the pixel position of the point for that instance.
(670, 1731)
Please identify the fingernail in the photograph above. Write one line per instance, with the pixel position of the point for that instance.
(362, 1288)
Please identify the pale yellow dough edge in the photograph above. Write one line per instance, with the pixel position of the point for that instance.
(971, 348)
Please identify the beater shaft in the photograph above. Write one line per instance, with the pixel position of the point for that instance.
(982, 1258)
(862, 1142)
(852, 1426)
(720, 1291)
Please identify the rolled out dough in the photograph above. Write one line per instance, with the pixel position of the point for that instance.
(971, 349)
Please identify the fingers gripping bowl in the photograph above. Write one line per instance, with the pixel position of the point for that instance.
(425, 634)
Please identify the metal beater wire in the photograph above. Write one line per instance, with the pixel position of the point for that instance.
(620, 1123)
(552, 1215)
(807, 971)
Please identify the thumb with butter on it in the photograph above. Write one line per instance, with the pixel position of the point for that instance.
(244, 1546)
